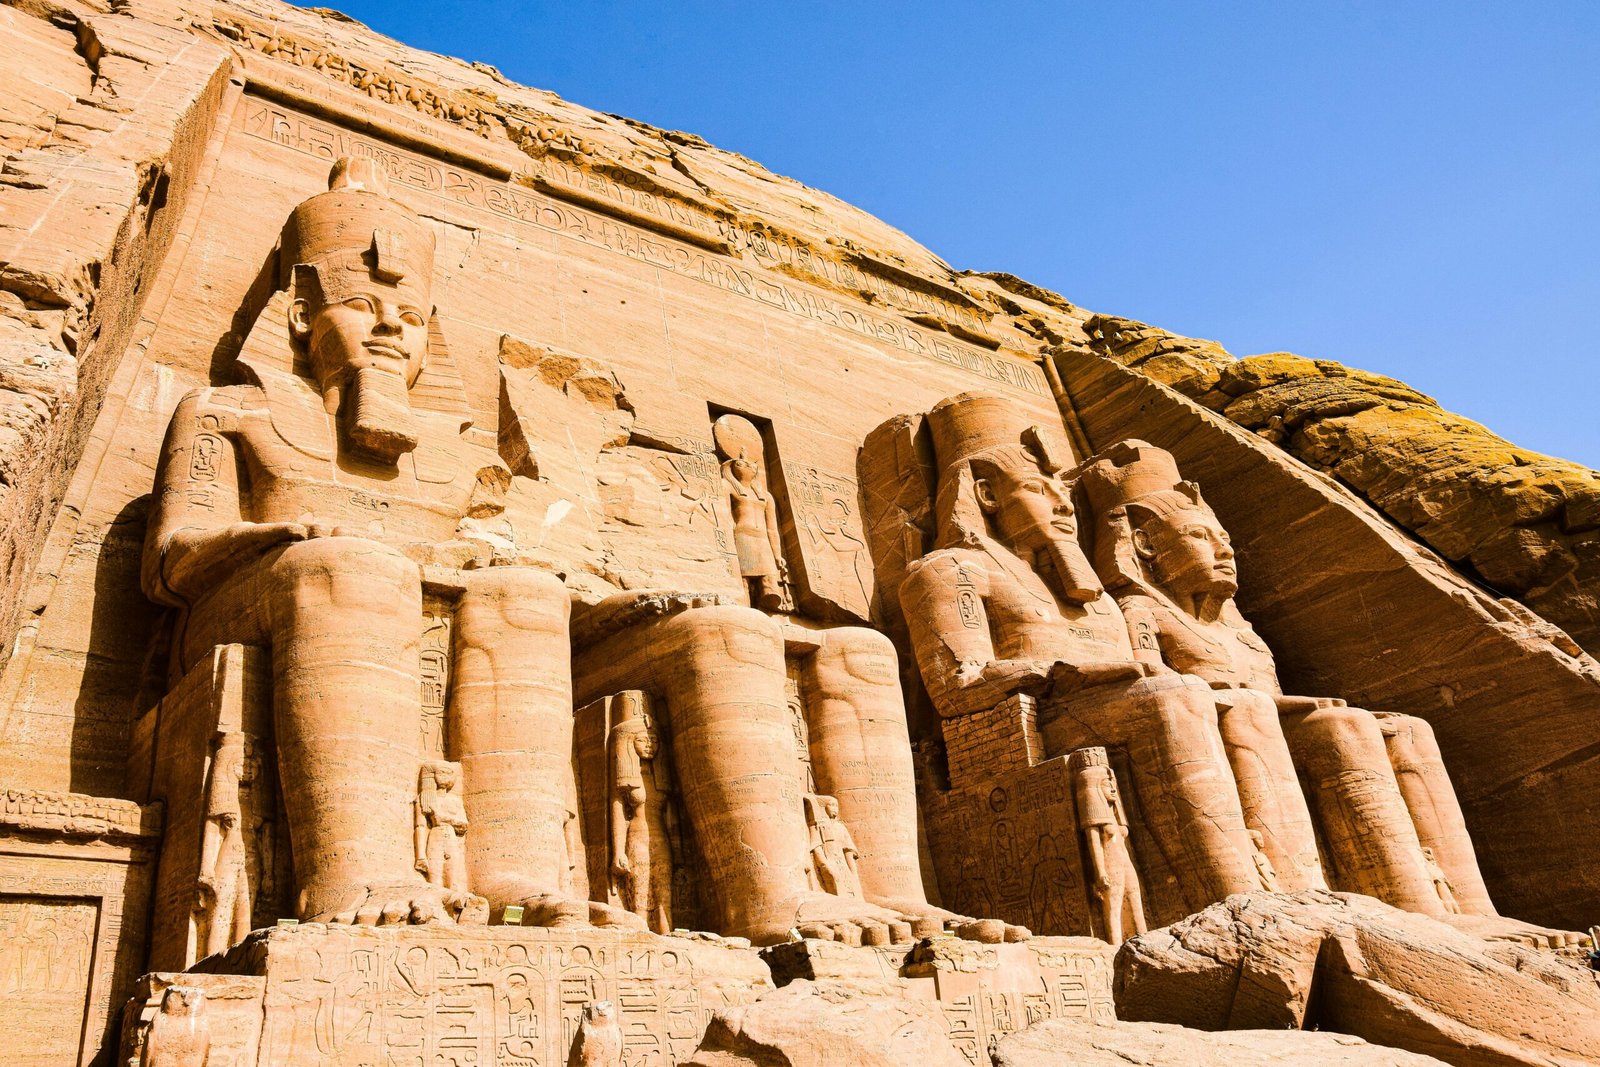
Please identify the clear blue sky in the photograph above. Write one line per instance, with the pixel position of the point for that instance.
(1411, 188)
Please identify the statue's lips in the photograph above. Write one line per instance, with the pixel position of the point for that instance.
(383, 348)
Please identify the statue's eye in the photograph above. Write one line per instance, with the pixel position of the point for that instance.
(358, 303)
(411, 317)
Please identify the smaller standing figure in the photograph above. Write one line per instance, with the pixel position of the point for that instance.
(1441, 882)
(236, 844)
(1269, 875)
(641, 816)
(755, 514)
(835, 860)
(1104, 824)
(441, 822)
(179, 1035)
(599, 1041)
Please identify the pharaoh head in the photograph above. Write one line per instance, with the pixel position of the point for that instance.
(360, 269)
(1156, 531)
(1000, 481)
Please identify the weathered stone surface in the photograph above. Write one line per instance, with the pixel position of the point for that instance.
(1355, 965)
(524, 523)
(1522, 522)
(816, 1024)
(1385, 623)
(1117, 1044)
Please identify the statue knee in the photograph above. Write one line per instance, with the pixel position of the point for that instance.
(522, 598)
(866, 655)
(344, 556)
(1353, 733)
(727, 630)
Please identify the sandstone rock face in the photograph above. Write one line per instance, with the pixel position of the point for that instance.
(428, 503)
(816, 1024)
(1526, 524)
(1352, 964)
(1156, 1045)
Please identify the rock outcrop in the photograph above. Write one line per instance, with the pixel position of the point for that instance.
(1052, 1044)
(1525, 524)
(1354, 965)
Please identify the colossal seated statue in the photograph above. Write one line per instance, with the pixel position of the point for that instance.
(1170, 564)
(788, 738)
(301, 511)
(1007, 603)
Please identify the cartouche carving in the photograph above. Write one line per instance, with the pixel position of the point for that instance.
(295, 512)
(756, 540)
(1104, 825)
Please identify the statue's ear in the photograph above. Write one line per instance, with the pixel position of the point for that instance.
(1141, 544)
(307, 290)
(984, 492)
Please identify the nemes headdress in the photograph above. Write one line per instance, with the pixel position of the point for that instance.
(978, 426)
(356, 231)
(1125, 485)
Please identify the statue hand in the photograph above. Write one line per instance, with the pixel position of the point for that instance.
(620, 866)
(1071, 677)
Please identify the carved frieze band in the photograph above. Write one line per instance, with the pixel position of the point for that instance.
(77, 815)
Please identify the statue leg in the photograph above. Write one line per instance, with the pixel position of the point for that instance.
(509, 724)
(1431, 799)
(720, 673)
(345, 621)
(1269, 788)
(861, 755)
(1365, 824)
(1181, 775)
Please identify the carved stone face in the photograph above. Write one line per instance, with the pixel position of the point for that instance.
(444, 778)
(373, 325)
(645, 745)
(1190, 552)
(1028, 507)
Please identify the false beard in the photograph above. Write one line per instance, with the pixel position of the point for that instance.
(1073, 578)
(377, 415)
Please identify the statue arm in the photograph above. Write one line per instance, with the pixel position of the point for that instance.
(619, 833)
(197, 528)
(953, 645)
(773, 537)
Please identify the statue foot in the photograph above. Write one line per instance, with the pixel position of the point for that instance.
(849, 921)
(1503, 928)
(927, 920)
(558, 911)
(405, 905)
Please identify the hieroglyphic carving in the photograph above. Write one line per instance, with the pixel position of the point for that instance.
(515, 202)
(1019, 854)
(379, 83)
(987, 991)
(834, 560)
(435, 674)
(492, 997)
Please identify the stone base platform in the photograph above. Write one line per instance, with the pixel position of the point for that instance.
(510, 996)
(488, 996)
